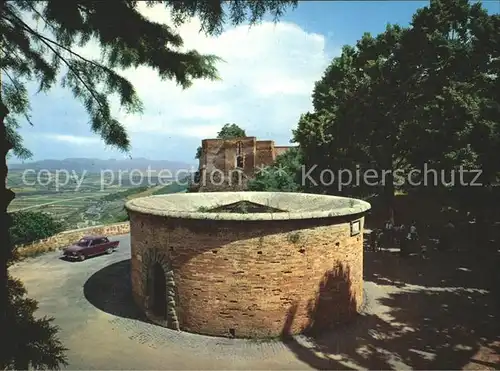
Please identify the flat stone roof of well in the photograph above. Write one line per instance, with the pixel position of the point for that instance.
(295, 205)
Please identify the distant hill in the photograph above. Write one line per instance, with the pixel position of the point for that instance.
(96, 165)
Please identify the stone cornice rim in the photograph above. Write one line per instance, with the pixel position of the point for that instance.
(144, 205)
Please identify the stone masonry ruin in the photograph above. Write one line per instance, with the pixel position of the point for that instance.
(228, 164)
(247, 264)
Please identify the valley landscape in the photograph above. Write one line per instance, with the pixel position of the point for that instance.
(86, 192)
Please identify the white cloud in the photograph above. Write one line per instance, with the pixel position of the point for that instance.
(72, 139)
(267, 78)
(215, 111)
(158, 123)
(266, 68)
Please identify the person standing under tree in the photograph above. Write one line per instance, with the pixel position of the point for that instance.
(388, 234)
(412, 236)
(413, 231)
(375, 240)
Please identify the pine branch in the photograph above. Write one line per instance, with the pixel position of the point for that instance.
(64, 60)
(15, 85)
(55, 43)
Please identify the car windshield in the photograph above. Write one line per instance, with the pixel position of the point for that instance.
(83, 242)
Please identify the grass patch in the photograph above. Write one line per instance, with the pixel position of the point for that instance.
(124, 194)
(171, 188)
(294, 237)
(149, 192)
(34, 250)
(241, 207)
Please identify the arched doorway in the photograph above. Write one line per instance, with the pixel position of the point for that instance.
(159, 294)
(158, 279)
(240, 162)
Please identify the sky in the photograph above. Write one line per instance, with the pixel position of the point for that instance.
(268, 75)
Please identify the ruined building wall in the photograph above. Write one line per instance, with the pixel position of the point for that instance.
(247, 150)
(279, 150)
(265, 152)
(213, 154)
(219, 156)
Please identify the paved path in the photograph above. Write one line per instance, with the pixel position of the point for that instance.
(403, 326)
(75, 292)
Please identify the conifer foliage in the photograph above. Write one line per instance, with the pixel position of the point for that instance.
(45, 53)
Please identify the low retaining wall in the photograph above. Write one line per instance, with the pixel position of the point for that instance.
(66, 238)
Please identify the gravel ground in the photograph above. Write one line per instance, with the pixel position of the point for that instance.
(411, 319)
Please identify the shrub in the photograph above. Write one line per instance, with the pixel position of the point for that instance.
(32, 342)
(283, 176)
(29, 226)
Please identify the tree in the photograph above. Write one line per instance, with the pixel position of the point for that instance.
(409, 97)
(354, 124)
(34, 343)
(452, 44)
(285, 175)
(30, 226)
(231, 131)
(328, 141)
(126, 39)
(228, 131)
(455, 47)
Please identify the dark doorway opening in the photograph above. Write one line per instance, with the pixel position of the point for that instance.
(159, 292)
(239, 162)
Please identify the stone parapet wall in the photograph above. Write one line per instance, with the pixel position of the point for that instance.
(280, 150)
(66, 238)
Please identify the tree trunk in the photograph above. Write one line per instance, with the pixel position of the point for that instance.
(6, 196)
(483, 222)
(389, 196)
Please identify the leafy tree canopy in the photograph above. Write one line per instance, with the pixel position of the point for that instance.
(34, 344)
(285, 175)
(409, 96)
(228, 131)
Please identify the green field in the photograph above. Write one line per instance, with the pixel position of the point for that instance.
(79, 203)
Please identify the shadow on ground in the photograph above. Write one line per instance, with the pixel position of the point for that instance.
(450, 321)
(110, 290)
(69, 260)
(467, 269)
(436, 313)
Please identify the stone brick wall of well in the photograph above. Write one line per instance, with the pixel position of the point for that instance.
(255, 278)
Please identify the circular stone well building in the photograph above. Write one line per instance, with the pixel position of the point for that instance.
(247, 264)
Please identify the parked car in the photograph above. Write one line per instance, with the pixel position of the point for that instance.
(90, 246)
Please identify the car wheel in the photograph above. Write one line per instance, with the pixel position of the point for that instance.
(109, 250)
(81, 257)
